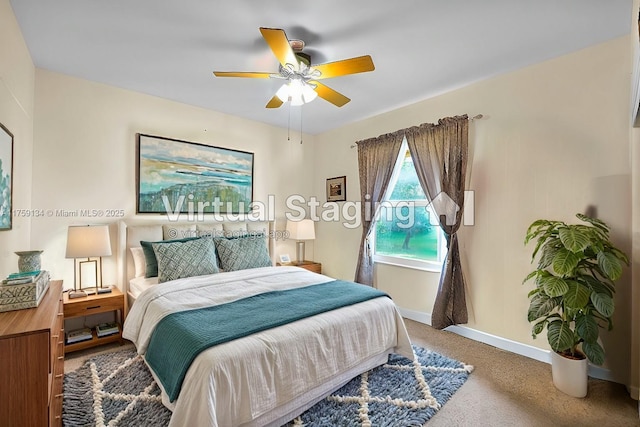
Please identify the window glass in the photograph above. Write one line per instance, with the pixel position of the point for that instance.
(406, 231)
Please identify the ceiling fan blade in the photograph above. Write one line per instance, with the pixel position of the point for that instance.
(274, 102)
(279, 44)
(360, 64)
(242, 74)
(328, 94)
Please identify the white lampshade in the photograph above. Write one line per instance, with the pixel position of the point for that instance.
(301, 230)
(85, 241)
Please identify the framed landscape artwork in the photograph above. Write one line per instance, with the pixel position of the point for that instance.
(337, 189)
(6, 177)
(176, 176)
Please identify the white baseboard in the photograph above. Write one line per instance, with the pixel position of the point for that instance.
(511, 346)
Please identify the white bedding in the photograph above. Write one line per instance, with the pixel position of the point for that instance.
(138, 285)
(268, 377)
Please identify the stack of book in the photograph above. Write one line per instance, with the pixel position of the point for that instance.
(22, 278)
(78, 335)
(23, 290)
(105, 329)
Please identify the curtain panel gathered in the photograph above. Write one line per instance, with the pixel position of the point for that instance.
(376, 159)
(439, 153)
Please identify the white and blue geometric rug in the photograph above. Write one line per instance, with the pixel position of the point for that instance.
(117, 389)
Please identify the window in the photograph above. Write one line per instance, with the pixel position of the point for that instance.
(407, 231)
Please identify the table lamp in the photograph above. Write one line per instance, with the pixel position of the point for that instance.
(301, 231)
(87, 241)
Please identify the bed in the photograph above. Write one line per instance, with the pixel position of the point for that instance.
(262, 378)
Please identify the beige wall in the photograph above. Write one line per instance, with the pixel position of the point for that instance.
(84, 157)
(554, 139)
(16, 114)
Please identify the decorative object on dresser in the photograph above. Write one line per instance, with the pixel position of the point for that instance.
(23, 290)
(31, 345)
(301, 230)
(337, 189)
(6, 178)
(94, 304)
(87, 241)
(29, 261)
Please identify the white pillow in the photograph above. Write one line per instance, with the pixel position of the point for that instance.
(139, 261)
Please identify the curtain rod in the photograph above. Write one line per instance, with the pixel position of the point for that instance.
(476, 117)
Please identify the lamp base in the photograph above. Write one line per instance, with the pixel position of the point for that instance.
(299, 252)
(77, 294)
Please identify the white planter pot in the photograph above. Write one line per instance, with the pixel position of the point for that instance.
(569, 375)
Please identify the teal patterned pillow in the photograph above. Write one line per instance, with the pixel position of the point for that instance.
(150, 254)
(243, 253)
(185, 259)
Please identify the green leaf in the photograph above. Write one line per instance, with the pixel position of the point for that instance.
(554, 286)
(530, 275)
(610, 265)
(541, 306)
(603, 303)
(587, 328)
(594, 352)
(539, 226)
(565, 261)
(574, 239)
(597, 223)
(560, 335)
(596, 285)
(538, 327)
(577, 296)
(548, 253)
(533, 292)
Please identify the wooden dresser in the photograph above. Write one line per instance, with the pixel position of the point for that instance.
(32, 362)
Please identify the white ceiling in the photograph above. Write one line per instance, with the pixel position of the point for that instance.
(420, 48)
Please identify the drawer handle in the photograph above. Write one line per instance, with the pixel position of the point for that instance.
(58, 417)
(60, 357)
(59, 395)
(61, 314)
(59, 375)
(95, 306)
(56, 336)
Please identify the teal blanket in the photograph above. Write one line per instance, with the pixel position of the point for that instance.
(180, 337)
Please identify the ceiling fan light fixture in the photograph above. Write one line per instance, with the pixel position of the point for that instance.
(296, 91)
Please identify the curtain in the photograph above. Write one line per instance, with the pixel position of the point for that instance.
(376, 159)
(439, 153)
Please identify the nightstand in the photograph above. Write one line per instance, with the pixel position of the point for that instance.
(93, 304)
(316, 267)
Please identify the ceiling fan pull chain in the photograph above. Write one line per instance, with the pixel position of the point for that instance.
(289, 125)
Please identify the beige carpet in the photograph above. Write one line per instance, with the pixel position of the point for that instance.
(505, 389)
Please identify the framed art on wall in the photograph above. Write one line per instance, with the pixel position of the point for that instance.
(337, 189)
(180, 176)
(6, 177)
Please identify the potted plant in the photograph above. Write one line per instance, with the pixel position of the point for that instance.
(573, 295)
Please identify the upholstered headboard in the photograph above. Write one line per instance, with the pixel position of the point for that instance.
(131, 232)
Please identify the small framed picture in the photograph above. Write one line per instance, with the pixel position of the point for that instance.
(284, 259)
(337, 189)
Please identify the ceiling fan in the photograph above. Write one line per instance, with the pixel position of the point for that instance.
(302, 85)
